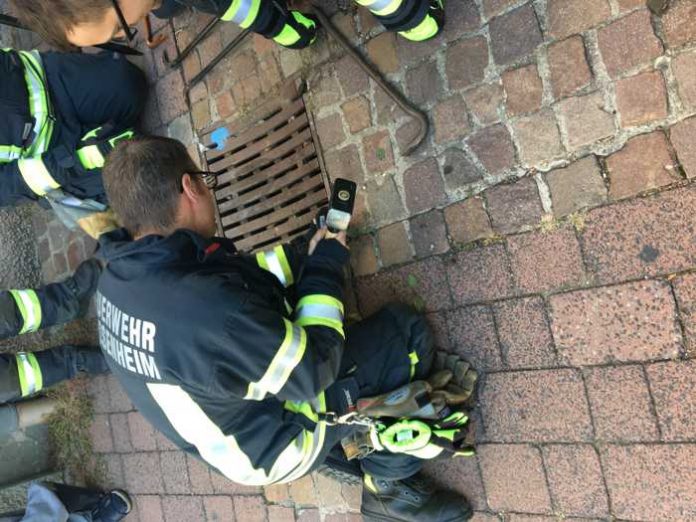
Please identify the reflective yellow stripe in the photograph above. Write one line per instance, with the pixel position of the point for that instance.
(91, 157)
(9, 153)
(242, 12)
(413, 357)
(423, 31)
(381, 7)
(36, 176)
(289, 35)
(276, 262)
(284, 362)
(30, 378)
(320, 310)
(312, 452)
(39, 102)
(30, 309)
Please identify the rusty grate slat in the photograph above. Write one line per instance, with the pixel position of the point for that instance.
(271, 183)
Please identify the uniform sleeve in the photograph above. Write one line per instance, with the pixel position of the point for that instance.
(283, 261)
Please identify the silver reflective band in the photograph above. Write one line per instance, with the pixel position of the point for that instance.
(31, 321)
(275, 267)
(242, 11)
(39, 109)
(376, 5)
(321, 310)
(28, 373)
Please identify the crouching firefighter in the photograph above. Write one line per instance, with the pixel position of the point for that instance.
(84, 23)
(243, 360)
(62, 114)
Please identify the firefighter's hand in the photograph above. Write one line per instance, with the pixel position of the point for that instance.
(323, 233)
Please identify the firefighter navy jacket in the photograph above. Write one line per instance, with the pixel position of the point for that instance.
(210, 351)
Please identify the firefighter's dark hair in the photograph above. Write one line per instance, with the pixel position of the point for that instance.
(142, 178)
(53, 19)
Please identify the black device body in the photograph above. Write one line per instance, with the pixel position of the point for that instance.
(341, 205)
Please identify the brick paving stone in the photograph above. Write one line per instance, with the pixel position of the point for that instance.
(114, 476)
(473, 337)
(277, 493)
(467, 269)
(224, 486)
(330, 492)
(99, 392)
(226, 105)
(546, 261)
(536, 406)
(175, 472)
(514, 206)
(363, 259)
(424, 83)
(357, 114)
(651, 482)
(493, 8)
(577, 186)
(429, 234)
(466, 62)
(681, 137)
(351, 77)
(450, 119)
(163, 443)
(394, 245)
(281, 514)
(170, 96)
(308, 515)
(628, 42)
(501, 465)
(183, 508)
(566, 17)
(100, 434)
(480, 516)
(461, 475)
(494, 149)
(149, 508)
(437, 323)
(586, 120)
(638, 238)
(352, 494)
(620, 402)
(538, 137)
(325, 88)
(330, 131)
(345, 163)
(378, 152)
(199, 476)
(405, 135)
(384, 200)
(423, 282)
(387, 110)
(641, 99)
(142, 433)
(121, 432)
(467, 221)
(514, 35)
(484, 102)
(119, 399)
(677, 23)
(382, 52)
(575, 479)
(568, 65)
(200, 113)
(524, 333)
(672, 384)
(684, 67)
(219, 509)
(458, 169)
(142, 473)
(643, 164)
(630, 322)
(423, 186)
(685, 291)
(303, 491)
(523, 89)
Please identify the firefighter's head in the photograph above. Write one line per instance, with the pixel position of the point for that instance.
(155, 187)
(82, 23)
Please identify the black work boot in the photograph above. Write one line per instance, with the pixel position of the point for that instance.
(411, 500)
(83, 283)
(112, 507)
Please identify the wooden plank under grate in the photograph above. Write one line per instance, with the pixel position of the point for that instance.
(272, 184)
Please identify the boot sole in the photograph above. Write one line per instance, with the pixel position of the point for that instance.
(374, 517)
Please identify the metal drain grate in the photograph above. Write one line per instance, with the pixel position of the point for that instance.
(272, 183)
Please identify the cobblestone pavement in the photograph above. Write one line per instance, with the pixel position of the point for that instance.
(546, 227)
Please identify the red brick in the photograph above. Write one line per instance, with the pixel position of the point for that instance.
(330, 131)
(681, 136)
(467, 221)
(170, 96)
(423, 186)
(100, 434)
(450, 120)
(523, 88)
(628, 42)
(536, 406)
(224, 486)
(575, 479)
(119, 399)
(384, 199)
(199, 476)
(566, 17)
(673, 386)
(524, 333)
(382, 52)
(114, 476)
(226, 106)
(142, 433)
(163, 443)
(121, 433)
(183, 509)
(639, 238)
(461, 475)
(250, 509)
(631, 322)
(467, 61)
(277, 493)
(423, 284)
(352, 494)
(437, 323)
(620, 403)
(501, 465)
(467, 269)
(219, 509)
(514, 206)
(357, 114)
(378, 152)
(308, 515)
(641, 99)
(429, 234)
(424, 83)
(345, 163)
(394, 245)
(473, 337)
(684, 67)
(493, 8)
(329, 492)
(576, 186)
(586, 120)
(685, 291)
(99, 392)
(175, 472)
(568, 64)
(651, 482)
(281, 514)
(538, 138)
(546, 261)
(677, 23)
(363, 259)
(514, 35)
(484, 102)
(149, 508)
(351, 77)
(142, 473)
(493, 147)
